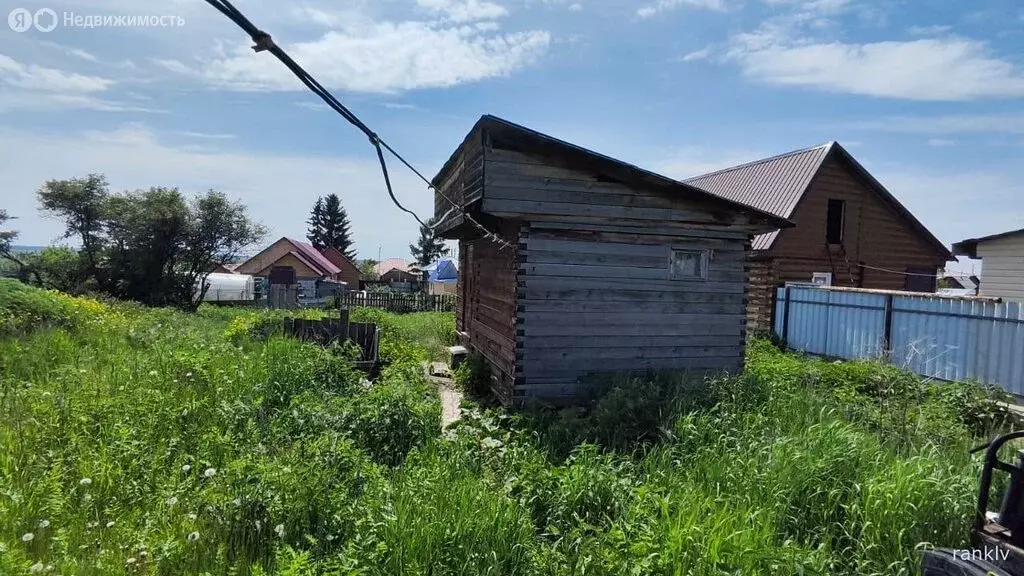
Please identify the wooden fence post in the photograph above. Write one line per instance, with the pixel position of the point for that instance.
(785, 319)
(344, 325)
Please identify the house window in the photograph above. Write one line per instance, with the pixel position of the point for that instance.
(688, 265)
(834, 221)
(919, 279)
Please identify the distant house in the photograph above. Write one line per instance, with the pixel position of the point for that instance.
(1002, 263)
(348, 271)
(397, 273)
(225, 268)
(600, 266)
(290, 258)
(442, 277)
(848, 226)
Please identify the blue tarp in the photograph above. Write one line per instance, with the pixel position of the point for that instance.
(443, 271)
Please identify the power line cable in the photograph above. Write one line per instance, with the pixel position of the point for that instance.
(262, 41)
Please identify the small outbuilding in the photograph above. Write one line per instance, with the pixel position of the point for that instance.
(573, 263)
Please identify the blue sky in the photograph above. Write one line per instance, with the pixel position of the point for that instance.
(928, 96)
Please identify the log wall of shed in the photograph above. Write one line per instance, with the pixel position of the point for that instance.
(600, 299)
(487, 303)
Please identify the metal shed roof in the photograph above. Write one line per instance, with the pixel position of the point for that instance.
(777, 184)
(773, 184)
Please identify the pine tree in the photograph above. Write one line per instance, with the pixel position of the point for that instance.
(337, 230)
(315, 232)
(428, 247)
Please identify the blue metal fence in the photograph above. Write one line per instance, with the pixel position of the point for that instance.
(939, 337)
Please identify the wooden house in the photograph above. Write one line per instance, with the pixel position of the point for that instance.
(847, 226)
(1002, 263)
(288, 254)
(348, 272)
(573, 263)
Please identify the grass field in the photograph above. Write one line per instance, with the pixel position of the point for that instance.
(142, 441)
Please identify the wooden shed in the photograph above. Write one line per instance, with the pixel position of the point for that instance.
(599, 266)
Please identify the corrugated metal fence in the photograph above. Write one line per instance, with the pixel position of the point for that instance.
(945, 338)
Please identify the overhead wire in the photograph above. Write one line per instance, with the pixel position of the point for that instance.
(262, 41)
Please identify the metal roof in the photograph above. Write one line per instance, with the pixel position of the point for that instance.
(773, 185)
(969, 247)
(319, 260)
(777, 184)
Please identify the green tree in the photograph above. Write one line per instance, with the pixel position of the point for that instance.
(428, 247)
(79, 203)
(219, 230)
(329, 226)
(153, 246)
(7, 236)
(368, 267)
(315, 232)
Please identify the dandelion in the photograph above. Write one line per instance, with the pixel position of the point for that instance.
(130, 561)
(172, 500)
(193, 536)
(279, 530)
(192, 517)
(85, 482)
(27, 537)
(44, 523)
(188, 375)
(110, 524)
(210, 472)
(36, 568)
(92, 524)
(152, 372)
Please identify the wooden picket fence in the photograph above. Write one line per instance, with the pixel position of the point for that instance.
(399, 302)
(325, 331)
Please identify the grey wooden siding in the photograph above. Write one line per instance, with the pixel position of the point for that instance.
(600, 300)
(460, 182)
(520, 186)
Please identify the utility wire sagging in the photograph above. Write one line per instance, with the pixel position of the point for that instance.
(263, 42)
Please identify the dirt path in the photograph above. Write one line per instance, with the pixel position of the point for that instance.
(451, 397)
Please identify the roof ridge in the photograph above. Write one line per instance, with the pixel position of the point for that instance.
(828, 144)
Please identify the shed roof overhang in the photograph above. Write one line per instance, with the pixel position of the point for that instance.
(969, 247)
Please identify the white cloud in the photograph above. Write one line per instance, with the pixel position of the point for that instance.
(701, 54)
(206, 135)
(279, 189)
(928, 69)
(39, 78)
(664, 5)
(940, 142)
(934, 30)
(575, 7)
(464, 10)
(377, 57)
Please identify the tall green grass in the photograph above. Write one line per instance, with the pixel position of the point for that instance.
(140, 441)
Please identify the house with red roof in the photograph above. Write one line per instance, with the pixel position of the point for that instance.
(306, 261)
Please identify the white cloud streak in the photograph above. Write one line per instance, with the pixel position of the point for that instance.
(380, 57)
(951, 69)
(664, 5)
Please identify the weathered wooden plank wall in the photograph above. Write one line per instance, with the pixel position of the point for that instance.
(603, 301)
(487, 299)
